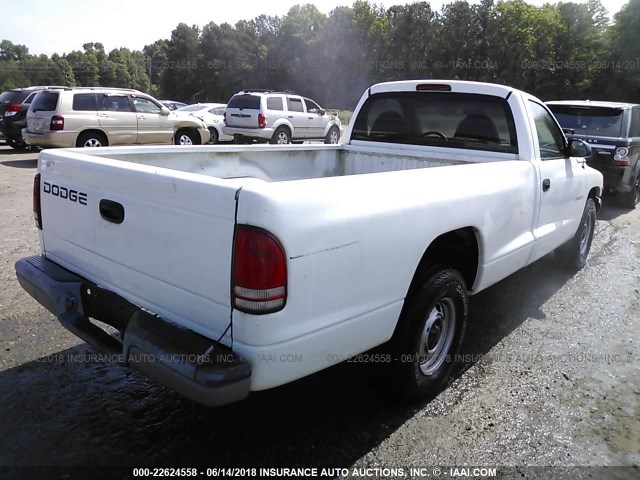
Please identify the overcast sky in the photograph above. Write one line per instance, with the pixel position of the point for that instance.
(61, 26)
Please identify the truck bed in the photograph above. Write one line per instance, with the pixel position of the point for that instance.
(277, 164)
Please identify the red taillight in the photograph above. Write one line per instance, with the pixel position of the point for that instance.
(37, 210)
(262, 121)
(224, 117)
(12, 109)
(57, 123)
(259, 271)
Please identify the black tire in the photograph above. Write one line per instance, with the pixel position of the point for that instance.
(92, 140)
(187, 136)
(632, 198)
(214, 138)
(573, 254)
(435, 315)
(333, 136)
(17, 144)
(282, 136)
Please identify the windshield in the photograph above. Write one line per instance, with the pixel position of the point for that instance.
(443, 119)
(590, 121)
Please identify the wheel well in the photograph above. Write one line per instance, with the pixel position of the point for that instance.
(457, 249)
(93, 131)
(284, 126)
(595, 193)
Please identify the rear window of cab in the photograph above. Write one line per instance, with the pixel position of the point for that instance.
(443, 119)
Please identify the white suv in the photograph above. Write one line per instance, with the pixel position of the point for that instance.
(96, 117)
(278, 117)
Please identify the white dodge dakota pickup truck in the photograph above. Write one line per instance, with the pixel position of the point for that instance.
(231, 269)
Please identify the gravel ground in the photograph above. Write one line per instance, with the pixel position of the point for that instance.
(552, 379)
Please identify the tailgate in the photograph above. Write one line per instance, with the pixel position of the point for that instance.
(171, 251)
(242, 111)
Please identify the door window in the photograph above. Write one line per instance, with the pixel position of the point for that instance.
(114, 103)
(144, 105)
(295, 104)
(550, 137)
(311, 105)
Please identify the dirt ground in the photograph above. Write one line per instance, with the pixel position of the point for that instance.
(552, 380)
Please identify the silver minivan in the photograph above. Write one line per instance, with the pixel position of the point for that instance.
(279, 118)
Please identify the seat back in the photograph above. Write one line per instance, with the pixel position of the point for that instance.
(477, 126)
(389, 123)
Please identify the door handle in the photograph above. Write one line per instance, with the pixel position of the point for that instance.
(546, 184)
(112, 211)
(103, 115)
(290, 116)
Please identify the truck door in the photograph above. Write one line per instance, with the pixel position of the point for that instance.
(561, 203)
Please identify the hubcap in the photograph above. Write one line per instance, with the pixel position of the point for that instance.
(334, 137)
(185, 140)
(92, 142)
(437, 336)
(283, 138)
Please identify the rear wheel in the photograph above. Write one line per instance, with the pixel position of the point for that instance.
(430, 334)
(92, 140)
(186, 136)
(281, 136)
(333, 137)
(632, 198)
(573, 254)
(18, 144)
(214, 138)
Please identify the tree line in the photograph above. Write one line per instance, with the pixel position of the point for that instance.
(563, 50)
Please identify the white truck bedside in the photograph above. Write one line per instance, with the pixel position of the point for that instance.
(232, 269)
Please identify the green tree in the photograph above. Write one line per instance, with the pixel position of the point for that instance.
(179, 80)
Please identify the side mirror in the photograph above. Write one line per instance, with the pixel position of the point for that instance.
(568, 131)
(164, 111)
(578, 148)
(321, 112)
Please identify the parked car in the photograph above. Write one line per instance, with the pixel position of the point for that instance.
(14, 104)
(212, 114)
(98, 117)
(278, 117)
(241, 269)
(613, 131)
(172, 104)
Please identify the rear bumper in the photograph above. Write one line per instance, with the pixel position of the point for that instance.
(54, 139)
(617, 178)
(171, 355)
(264, 133)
